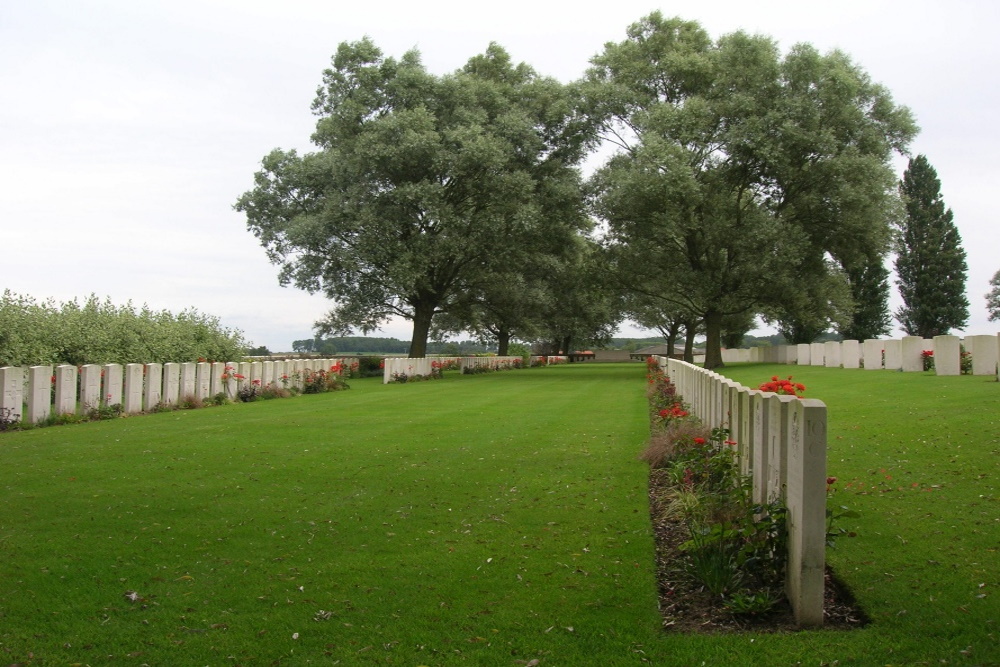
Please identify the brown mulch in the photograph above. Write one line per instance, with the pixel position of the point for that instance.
(688, 608)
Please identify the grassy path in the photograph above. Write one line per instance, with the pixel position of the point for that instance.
(487, 520)
(468, 520)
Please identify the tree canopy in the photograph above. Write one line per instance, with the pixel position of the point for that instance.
(930, 260)
(423, 189)
(742, 179)
(869, 284)
(993, 298)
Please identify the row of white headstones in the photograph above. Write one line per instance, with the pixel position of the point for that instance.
(906, 354)
(37, 391)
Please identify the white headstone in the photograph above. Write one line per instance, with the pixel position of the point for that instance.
(893, 355)
(203, 380)
(873, 350)
(984, 354)
(806, 501)
(831, 352)
(171, 383)
(153, 394)
(947, 355)
(90, 386)
(850, 354)
(817, 354)
(112, 384)
(912, 351)
(188, 381)
(12, 386)
(804, 354)
(133, 388)
(65, 386)
(39, 393)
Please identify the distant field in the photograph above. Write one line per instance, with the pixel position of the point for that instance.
(483, 520)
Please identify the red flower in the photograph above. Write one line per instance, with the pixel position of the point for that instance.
(699, 441)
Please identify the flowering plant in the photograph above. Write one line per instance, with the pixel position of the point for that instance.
(927, 356)
(229, 373)
(783, 386)
(674, 411)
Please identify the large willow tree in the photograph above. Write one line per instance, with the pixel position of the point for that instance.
(742, 177)
(422, 189)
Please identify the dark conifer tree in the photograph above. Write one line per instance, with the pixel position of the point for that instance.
(930, 261)
(869, 283)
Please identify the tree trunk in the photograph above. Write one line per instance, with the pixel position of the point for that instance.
(670, 336)
(564, 349)
(422, 316)
(503, 342)
(713, 340)
(690, 331)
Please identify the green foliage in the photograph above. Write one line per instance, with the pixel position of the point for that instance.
(930, 260)
(423, 187)
(736, 549)
(321, 381)
(993, 298)
(105, 411)
(869, 282)
(821, 303)
(316, 345)
(99, 332)
(370, 367)
(519, 350)
(9, 419)
(721, 195)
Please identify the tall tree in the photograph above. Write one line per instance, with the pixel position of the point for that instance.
(422, 187)
(869, 282)
(930, 261)
(737, 171)
(993, 297)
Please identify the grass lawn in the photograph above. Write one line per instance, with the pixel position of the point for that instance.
(484, 520)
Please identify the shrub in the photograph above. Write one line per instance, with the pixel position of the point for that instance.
(316, 382)
(99, 412)
(99, 332)
(272, 391)
(370, 366)
(9, 420)
(190, 402)
(667, 443)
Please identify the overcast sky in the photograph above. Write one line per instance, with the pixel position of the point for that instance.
(129, 128)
